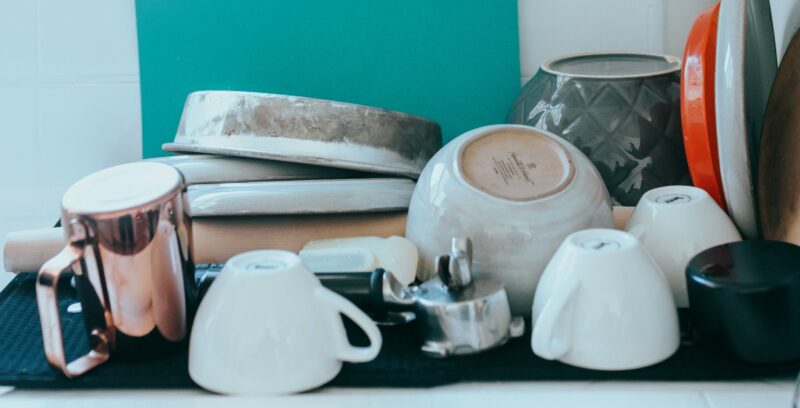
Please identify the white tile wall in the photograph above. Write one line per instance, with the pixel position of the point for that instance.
(85, 127)
(549, 28)
(17, 38)
(69, 101)
(87, 37)
(18, 139)
(785, 21)
(69, 98)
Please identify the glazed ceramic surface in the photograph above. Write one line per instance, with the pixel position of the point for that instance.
(516, 192)
(305, 130)
(604, 304)
(675, 223)
(779, 169)
(620, 109)
(300, 197)
(204, 168)
(698, 116)
(281, 333)
(745, 69)
(746, 300)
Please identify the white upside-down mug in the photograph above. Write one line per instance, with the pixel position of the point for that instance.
(267, 326)
(675, 223)
(602, 303)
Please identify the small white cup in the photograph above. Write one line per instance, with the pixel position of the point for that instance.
(675, 223)
(267, 326)
(602, 303)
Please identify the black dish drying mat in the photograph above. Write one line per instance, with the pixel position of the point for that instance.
(400, 364)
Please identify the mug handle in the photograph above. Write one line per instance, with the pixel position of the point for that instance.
(50, 317)
(345, 350)
(552, 330)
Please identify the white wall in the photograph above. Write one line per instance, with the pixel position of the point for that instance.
(550, 28)
(69, 100)
(785, 20)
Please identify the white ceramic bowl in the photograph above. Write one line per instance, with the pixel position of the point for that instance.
(517, 192)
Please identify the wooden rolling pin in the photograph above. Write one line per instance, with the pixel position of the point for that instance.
(215, 239)
(26, 251)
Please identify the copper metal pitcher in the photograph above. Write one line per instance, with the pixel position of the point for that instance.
(129, 247)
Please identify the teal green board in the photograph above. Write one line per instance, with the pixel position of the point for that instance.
(453, 61)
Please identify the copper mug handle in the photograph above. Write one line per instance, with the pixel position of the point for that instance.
(50, 317)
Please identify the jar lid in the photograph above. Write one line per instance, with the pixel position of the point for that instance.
(611, 65)
(746, 265)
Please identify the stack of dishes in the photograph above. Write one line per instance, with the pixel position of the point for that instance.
(729, 65)
(276, 171)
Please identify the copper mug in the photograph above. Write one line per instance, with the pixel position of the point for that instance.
(129, 247)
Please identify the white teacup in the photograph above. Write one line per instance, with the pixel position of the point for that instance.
(267, 326)
(602, 303)
(675, 223)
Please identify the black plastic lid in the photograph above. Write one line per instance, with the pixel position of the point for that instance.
(746, 264)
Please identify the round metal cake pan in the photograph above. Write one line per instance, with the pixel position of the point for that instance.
(306, 130)
(205, 169)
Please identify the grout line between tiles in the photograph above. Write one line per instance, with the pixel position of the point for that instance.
(36, 14)
(37, 139)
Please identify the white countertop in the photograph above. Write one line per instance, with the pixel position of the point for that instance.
(539, 394)
(756, 394)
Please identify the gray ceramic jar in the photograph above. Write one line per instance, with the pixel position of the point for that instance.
(620, 109)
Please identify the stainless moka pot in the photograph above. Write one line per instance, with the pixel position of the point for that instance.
(455, 312)
(128, 244)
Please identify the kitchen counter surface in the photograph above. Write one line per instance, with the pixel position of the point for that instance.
(541, 394)
(764, 393)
